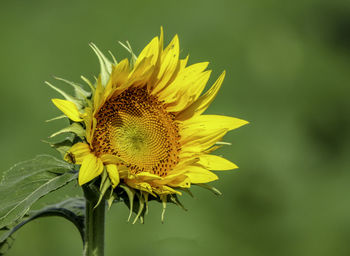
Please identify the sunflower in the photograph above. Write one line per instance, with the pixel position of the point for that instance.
(142, 126)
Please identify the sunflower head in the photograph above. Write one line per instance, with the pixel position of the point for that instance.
(141, 129)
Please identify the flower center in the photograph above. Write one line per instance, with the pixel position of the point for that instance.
(136, 127)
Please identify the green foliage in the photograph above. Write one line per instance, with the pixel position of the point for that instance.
(61, 141)
(72, 209)
(23, 184)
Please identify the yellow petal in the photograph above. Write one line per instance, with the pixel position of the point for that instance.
(68, 108)
(169, 63)
(188, 94)
(124, 172)
(119, 77)
(89, 122)
(199, 142)
(202, 103)
(207, 129)
(168, 190)
(146, 176)
(200, 175)
(110, 159)
(144, 186)
(90, 169)
(170, 177)
(98, 96)
(141, 74)
(189, 78)
(181, 181)
(216, 163)
(161, 39)
(203, 125)
(78, 152)
(183, 63)
(113, 174)
(150, 51)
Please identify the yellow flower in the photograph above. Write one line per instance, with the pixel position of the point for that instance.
(143, 122)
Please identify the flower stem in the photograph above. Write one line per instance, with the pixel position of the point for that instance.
(94, 224)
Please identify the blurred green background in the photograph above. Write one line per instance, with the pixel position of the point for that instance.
(288, 66)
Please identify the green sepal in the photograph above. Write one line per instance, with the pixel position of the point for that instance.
(75, 128)
(111, 199)
(174, 199)
(186, 190)
(56, 118)
(104, 186)
(105, 64)
(211, 188)
(129, 201)
(87, 81)
(129, 49)
(77, 102)
(164, 202)
(80, 93)
(141, 207)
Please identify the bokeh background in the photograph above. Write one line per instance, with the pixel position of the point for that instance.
(288, 66)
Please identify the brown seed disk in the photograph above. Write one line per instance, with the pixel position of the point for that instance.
(136, 127)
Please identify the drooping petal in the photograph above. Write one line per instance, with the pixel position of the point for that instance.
(170, 177)
(90, 168)
(166, 190)
(216, 163)
(143, 186)
(78, 152)
(68, 108)
(113, 174)
(181, 181)
(146, 176)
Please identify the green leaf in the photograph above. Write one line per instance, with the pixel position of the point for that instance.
(72, 209)
(26, 182)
